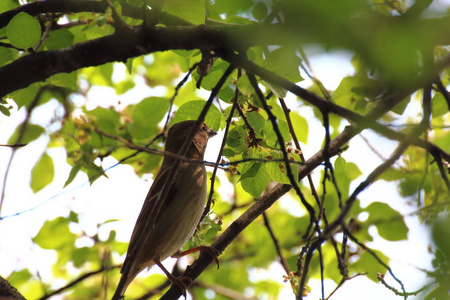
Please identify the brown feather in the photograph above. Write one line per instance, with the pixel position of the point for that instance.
(173, 206)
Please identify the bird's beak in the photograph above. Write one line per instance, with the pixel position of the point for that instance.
(211, 133)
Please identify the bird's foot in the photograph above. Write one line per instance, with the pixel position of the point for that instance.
(178, 281)
(213, 252)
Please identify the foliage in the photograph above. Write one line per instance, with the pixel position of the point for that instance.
(252, 52)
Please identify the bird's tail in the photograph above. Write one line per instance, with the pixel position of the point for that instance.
(121, 288)
(129, 272)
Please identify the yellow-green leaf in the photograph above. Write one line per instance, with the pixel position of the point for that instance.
(260, 11)
(255, 179)
(42, 173)
(285, 62)
(340, 164)
(257, 121)
(301, 127)
(244, 85)
(55, 234)
(438, 105)
(68, 80)
(191, 111)
(23, 31)
(389, 222)
(192, 11)
(31, 133)
(278, 172)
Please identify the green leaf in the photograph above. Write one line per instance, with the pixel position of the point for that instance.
(146, 116)
(124, 86)
(142, 163)
(84, 255)
(301, 127)
(271, 136)
(257, 121)
(354, 88)
(340, 164)
(400, 108)
(392, 174)
(75, 169)
(55, 234)
(278, 91)
(191, 111)
(215, 73)
(94, 172)
(107, 119)
(6, 55)
(367, 263)
(228, 152)
(42, 173)
(277, 170)
(440, 233)
(31, 133)
(23, 97)
(284, 62)
(438, 105)
(17, 278)
(237, 139)
(259, 11)
(4, 110)
(245, 87)
(6, 5)
(59, 39)
(254, 179)
(192, 11)
(211, 233)
(68, 80)
(129, 64)
(345, 178)
(389, 222)
(23, 31)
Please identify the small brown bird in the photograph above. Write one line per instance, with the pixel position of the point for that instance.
(173, 206)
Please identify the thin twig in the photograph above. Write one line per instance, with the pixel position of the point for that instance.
(405, 295)
(219, 155)
(19, 145)
(175, 94)
(289, 172)
(78, 280)
(374, 255)
(224, 291)
(401, 148)
(22, 129)
(443, 91)
(283, 261)
(341, 283)
(286, 112)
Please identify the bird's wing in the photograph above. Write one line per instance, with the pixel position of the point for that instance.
(163, 189)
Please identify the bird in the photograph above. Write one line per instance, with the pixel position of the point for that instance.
(173, 206)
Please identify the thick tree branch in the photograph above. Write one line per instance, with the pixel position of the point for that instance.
(122, 45)
(8, 292)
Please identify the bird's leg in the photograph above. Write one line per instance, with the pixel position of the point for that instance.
(174, 280)
(206, 249)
